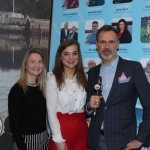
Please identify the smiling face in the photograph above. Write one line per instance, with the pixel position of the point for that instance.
(34, 65)
(107, 45)
(66, 25)
(70, 57)
(91, 64)
(73, 29)
(94, 27)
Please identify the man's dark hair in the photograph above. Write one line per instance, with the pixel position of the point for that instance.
(95, 22)
(106, 28)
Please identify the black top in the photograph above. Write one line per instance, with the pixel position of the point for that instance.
(75, 36)
(125, 37)
(27, 113)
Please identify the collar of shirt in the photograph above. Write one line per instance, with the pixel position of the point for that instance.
(113, 64)
(73, 79)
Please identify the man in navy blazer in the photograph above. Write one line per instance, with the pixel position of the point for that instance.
(114, 125)
(64, 32)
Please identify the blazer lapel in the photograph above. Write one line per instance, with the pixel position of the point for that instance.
(96, 74)
(94, 77)
(115, 81)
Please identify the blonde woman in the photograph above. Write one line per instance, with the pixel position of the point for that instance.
(27, 105)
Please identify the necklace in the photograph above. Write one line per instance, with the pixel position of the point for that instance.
(33, 85)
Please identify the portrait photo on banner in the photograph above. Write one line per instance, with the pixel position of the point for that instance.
(145, 62)
(146, 67)
(92, 3)
(121, 1)
(69, 4)
(24, 25)
(69, 30)
(145, 29)
(89, 63)
(124, 28)
(91, 27)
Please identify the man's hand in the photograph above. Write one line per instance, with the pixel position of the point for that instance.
(61, 146)
(94, 102)
(133, 145)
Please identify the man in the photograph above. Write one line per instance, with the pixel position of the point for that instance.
(91, 38)
(64, 32)
(114, 125)
(91, 63)
(147, 72)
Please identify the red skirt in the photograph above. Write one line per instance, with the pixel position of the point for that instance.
(74, 130)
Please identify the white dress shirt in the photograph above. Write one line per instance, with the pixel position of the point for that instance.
(70, 99)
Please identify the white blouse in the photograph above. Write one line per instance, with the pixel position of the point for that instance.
(70, 99)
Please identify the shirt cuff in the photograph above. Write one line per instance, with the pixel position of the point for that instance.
(88, 112)
(58, 138)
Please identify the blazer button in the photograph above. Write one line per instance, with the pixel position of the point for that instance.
(105, 107)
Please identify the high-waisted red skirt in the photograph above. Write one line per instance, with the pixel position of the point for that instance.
(74, 130)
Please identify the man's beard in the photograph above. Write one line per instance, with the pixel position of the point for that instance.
(107, 57)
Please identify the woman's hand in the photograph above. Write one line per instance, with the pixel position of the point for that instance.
(61, 146)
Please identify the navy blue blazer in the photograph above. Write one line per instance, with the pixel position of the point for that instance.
(125, 37)
(75, 36)
(63, 35)
(118, 113)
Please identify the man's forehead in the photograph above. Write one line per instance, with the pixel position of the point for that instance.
(107, 35)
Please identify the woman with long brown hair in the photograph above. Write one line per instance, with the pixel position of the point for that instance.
(65, 95)
(123, 32)
(27, 105)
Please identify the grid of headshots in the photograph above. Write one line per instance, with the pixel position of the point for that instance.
(69, 4)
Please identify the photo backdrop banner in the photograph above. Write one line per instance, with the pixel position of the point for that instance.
(88, 15)
(24, 25)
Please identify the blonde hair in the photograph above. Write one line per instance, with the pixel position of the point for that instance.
(23, 76)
